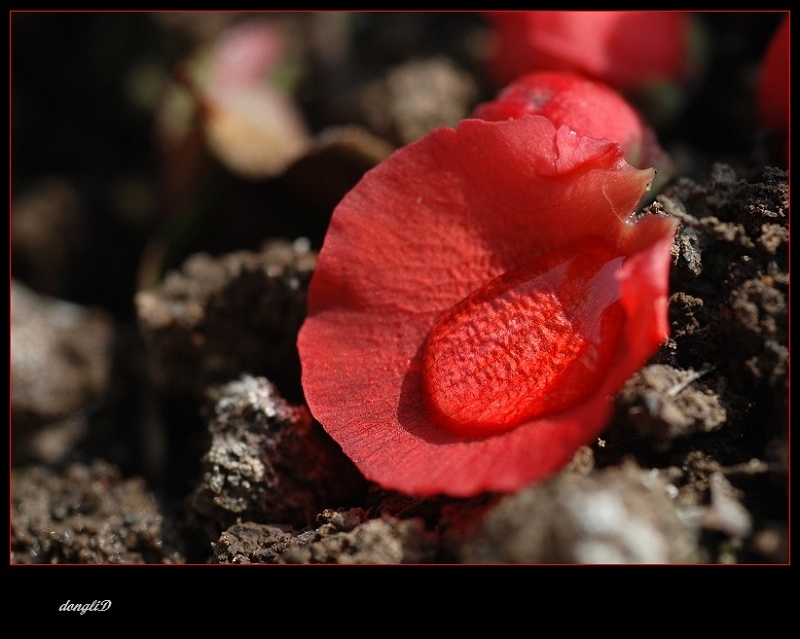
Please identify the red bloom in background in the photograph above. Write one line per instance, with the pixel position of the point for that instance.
(629, 50)
(480, 297)
(586, 107)
(772, 93)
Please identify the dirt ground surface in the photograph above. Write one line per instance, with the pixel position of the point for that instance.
(157, 413)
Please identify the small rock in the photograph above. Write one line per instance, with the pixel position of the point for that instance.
(268, 461)
(622, 515)
(61, 363)
(221, 316)
(664, 403)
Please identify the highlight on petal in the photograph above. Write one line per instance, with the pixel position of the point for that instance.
(480, 297)
(257, 132)
(587, 107)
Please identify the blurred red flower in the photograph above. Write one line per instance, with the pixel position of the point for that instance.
(480, 297)
(773, 81)
(628, 50)
(772, 92)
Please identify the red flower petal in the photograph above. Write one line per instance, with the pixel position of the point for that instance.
(474, 231)
(587, 107)
(532, 342)
(626, 49)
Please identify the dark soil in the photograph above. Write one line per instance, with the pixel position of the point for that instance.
(157, 412)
